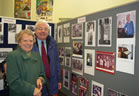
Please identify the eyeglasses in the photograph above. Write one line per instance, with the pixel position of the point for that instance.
(41, 29)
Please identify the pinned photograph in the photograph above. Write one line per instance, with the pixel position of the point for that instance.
(105, 31)
(77, 31)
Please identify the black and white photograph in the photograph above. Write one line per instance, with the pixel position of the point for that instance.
(66, 32)
(66, 79)
(13, 30)
(1, 34)
(77, 48)
(77, 65)
(89, 61)
(90, 33)
(68, 56)
(4, 52)
(105, 31)
(59, 34)
(30, 27)
(77, 31)
(61, 55)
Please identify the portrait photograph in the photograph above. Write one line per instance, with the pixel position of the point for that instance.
(59, 34)
(89, 61)
(105, 61)
(90, 33)
(77, 31)
(66, 32)
(105, 31)
(126, 23)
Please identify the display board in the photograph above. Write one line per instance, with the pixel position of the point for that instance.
(99, 53)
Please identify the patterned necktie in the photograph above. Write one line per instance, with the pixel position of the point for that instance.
(45, 60)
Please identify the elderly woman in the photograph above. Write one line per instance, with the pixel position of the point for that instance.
(25, 72)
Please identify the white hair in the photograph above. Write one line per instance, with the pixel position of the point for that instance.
(42, 21)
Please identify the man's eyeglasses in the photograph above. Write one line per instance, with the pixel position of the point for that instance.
(41, 29)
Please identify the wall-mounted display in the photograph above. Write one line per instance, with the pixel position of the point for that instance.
(105, 31)
(126, 33)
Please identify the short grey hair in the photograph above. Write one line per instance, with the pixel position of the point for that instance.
(41, 21)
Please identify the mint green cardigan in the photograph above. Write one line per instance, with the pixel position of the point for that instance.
(23, 71)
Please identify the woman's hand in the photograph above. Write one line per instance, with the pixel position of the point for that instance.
(39, 83)
(37, 92)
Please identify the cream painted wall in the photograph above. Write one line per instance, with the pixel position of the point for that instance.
(7, 8)
(76, 8)
(0, 7)
(65, 8)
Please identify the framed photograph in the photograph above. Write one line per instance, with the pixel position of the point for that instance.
(74, 84)
(4, 52)
(68, 56)
(66, 31)
(89, 61)
(97, 89)
(90, 33)
(105, 61)
(31, 27)
(112, 92)
(59, 34)
(1, 33)
(77, 31)
(126, 23)
(77, 48)
(105, 31)
(66, 79)
(83, 92)
(77, 65)
(61, 55)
